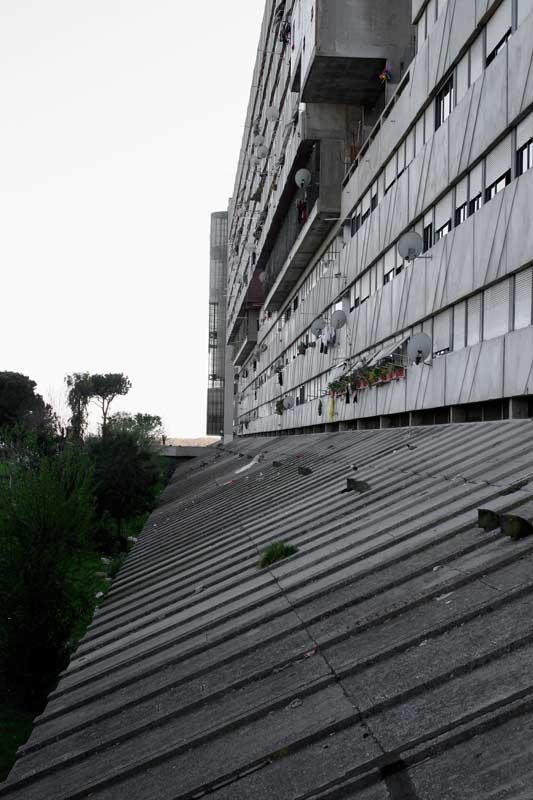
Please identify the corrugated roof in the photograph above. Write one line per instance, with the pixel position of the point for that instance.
(389, 658)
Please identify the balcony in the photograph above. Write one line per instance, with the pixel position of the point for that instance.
(340, 56)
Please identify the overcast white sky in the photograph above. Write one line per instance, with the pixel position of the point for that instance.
(120, 126)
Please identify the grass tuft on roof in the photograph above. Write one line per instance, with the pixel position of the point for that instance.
(276, 551)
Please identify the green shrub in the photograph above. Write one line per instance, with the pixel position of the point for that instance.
(46, 514)
(276, 552)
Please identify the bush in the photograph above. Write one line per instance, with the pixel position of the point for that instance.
(46, 513)
(276, 552)
(127, 481)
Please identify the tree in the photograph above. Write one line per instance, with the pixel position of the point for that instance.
(145, 427)
(46, 514)
(18, 400)
(104, 390)
(126, 473)
(80, 392)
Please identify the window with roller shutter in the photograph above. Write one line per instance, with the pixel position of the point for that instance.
(496, 305)
(523, 298)
(473, 320)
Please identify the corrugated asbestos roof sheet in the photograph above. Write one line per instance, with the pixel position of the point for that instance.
(389, 658)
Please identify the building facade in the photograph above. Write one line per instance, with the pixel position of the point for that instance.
(413, 119)
(217, 323)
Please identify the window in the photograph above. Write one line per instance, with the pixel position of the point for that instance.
(461, 214)
(390, 173)
(374, 197)
(492, 190)
(524, 145)
(476, 59)
(388, 276)
(523, 298)
(365, 207)
(474, 204)
(459, 325)
(428, 236)
(444, 103)
(356, 221)
(462, 77)
(473, 320)
(496, 310)
(419, 134)
(498, 30)
(441, 333)
(443, 231)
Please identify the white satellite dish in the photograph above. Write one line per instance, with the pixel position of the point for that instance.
(272, 114)
(338, 320)
(259, 140)
(410, 245)
(288, 402)
(317, 327)
(303, 178)
(419, 348)
(262, 152)
(262, 277)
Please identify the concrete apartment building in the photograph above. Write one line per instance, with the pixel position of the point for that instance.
(217, 322)
(407, 117)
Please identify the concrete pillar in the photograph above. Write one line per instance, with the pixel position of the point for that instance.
(415, 418)
(518, 408)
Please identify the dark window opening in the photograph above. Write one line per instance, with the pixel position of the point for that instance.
(428, 236)
(474, 205)
(524, 158)
(374, 202)
(492, 190)
(443, 231)
(388, 276)
(499, 47)
(356, 223)
(399, 269)
(295, 304)
(444, 103)
(461, 214)
(365, 216)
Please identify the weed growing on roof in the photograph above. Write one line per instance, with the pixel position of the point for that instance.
(276, 552)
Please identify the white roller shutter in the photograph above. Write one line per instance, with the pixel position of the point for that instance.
(473, 320)
(498, 161)
(461, 192)
(462, 78)
(366, 203)
(459, 318)
(443, 211)
(430, 120)
(401, 158)
(498, 25)
(419, 133)
(476, 178)
(390, 172)
(496, 310)
(428, 218)
(476, 59)
(525, 7)
(441, 331)
(410, 147)
(524, 131)
(390, 259)
(523, 298)
(365, 286)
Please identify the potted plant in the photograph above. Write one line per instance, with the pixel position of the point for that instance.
(280, 408)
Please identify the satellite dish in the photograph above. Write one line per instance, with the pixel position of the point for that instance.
(259, 139)
(303, 178)
(262, 152)
(410, 245)
(262, 277)
(288, 402)
(272, 114)
(317, 327)
(338, 320)
(419, 348)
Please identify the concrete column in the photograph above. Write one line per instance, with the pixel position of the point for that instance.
(518, 408)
